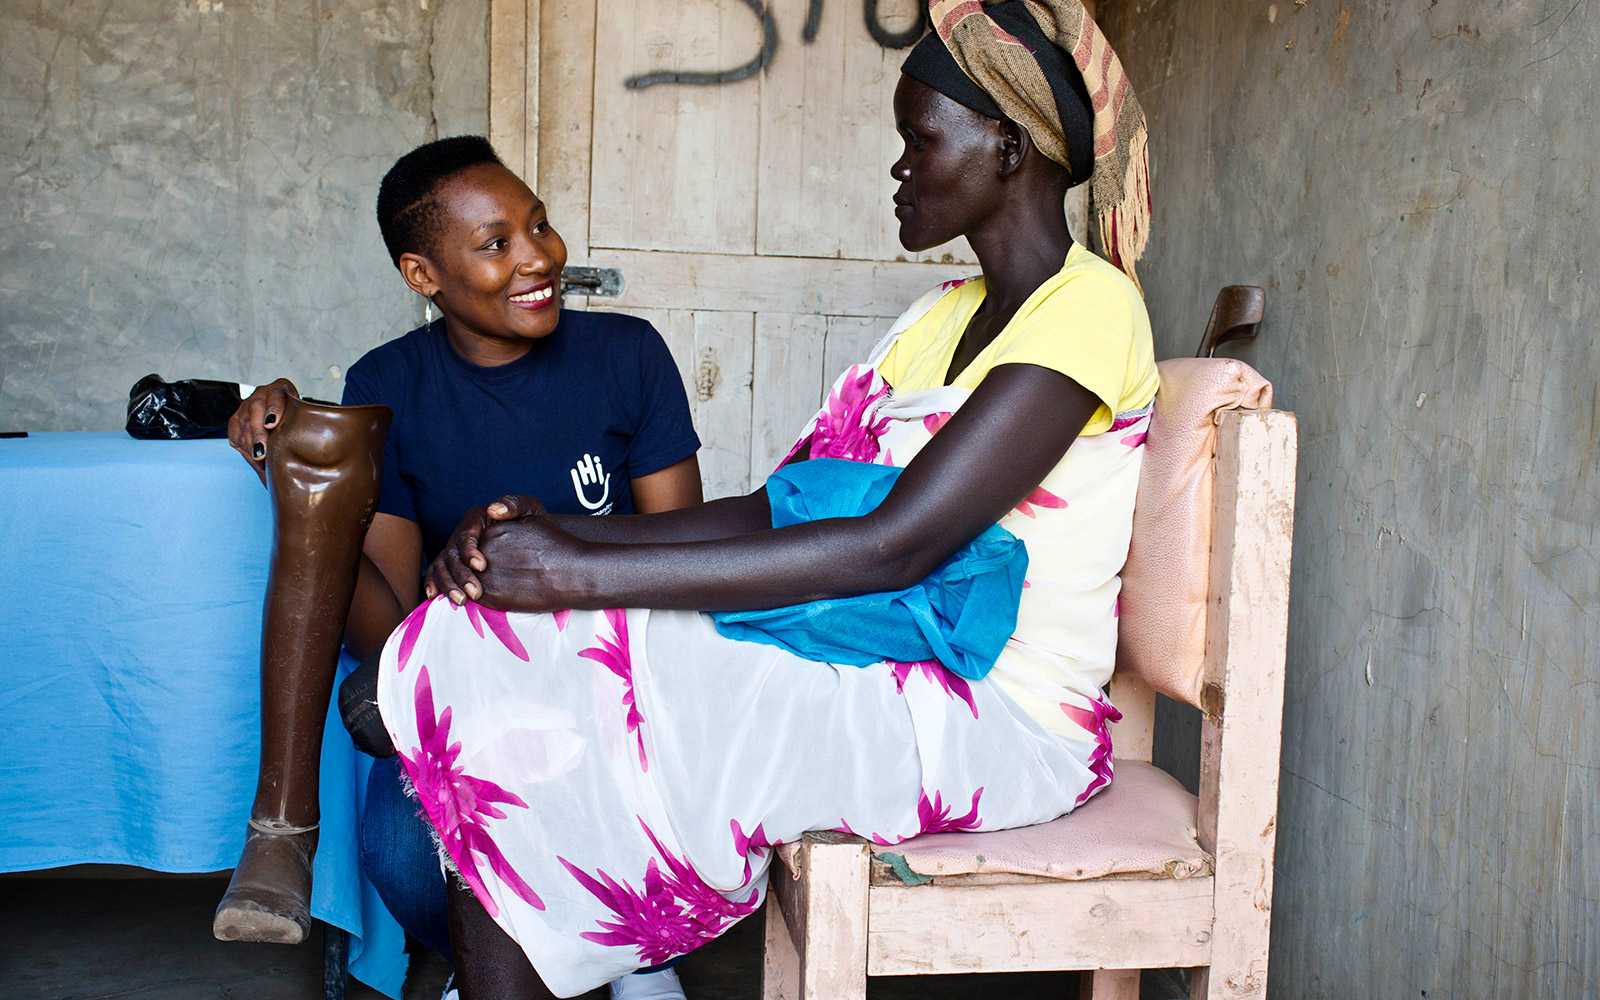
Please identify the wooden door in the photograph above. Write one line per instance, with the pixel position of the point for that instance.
(751, 220)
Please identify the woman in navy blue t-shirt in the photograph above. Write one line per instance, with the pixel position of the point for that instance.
(504, 393)
(504, 389)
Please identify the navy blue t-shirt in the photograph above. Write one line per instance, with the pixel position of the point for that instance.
(594, 404)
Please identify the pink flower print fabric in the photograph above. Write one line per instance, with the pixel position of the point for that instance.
(1136, 422)
(612, 653)
(600, 850)
(410, 629)
(477, 614)
(459, 805)
(933, 816)
(1094, 719)
(1040, 497)
(673, 912)
(754, 846)
(480, 616)
(846, 428)
(954, 685)
(848, 425)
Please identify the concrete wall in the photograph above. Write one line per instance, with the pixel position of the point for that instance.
(187, 187)
(1412, 183)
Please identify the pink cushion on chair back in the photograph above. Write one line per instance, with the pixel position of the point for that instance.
(1161, 628)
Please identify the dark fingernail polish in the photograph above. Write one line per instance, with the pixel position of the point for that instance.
(272, 418)
(260, 450)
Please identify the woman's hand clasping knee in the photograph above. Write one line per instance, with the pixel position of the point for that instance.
(455, 570)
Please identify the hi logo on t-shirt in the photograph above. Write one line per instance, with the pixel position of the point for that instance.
(586, 474)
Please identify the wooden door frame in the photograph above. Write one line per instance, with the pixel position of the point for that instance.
(518, 74)
(513, 65)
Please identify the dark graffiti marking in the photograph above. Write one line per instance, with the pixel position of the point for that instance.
(894, 39)
(813, 18)
(769, 44)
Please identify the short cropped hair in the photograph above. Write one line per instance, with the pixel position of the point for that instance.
(409, 213)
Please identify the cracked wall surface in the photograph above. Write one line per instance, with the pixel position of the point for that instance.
(1411, 182)
(187, 188)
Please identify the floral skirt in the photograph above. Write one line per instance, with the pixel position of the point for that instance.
(611, 784)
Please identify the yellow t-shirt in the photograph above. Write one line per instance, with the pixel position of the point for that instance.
(1087, 322)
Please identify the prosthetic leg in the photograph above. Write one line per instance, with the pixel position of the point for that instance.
(323, 469)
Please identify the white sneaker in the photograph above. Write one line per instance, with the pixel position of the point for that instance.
(661, 985)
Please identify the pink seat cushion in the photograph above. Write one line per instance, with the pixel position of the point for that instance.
(1143, 822)
(1161, 628)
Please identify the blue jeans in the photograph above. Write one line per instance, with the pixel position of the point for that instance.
(399, 857)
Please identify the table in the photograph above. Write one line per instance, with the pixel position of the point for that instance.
(129, 673)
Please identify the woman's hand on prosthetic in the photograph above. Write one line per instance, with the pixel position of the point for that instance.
(256, 416)
(456, 570)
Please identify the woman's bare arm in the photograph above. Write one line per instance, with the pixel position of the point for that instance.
(996, 449)
(455, 570)
(386, 584)
(672, 488)
(716, 519)
(655, 499)
(669, 509)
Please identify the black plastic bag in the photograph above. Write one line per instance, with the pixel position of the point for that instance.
(193, 408)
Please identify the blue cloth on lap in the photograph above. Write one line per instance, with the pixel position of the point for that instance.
(961, 614)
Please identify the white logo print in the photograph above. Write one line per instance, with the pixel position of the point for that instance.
(588, 472)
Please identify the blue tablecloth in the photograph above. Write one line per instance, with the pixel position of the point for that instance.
(129, 672)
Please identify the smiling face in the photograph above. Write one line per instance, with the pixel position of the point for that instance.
(495, 268)
(948, 169)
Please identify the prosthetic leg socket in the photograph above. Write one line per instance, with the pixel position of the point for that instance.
(324, 466)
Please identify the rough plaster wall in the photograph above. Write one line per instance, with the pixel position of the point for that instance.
(188, 187)
(1413, 184)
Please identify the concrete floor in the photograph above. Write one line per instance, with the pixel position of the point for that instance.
(125, 934)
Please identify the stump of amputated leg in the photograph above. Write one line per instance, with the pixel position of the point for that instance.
(324, 467)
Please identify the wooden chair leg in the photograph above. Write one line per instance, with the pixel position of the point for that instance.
(1108, 984)
(1217, 983)
(780, 963)
(823, 915)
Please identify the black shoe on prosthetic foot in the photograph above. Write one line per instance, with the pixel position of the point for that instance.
(269, 897)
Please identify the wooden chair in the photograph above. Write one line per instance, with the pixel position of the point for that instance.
(1144, 875)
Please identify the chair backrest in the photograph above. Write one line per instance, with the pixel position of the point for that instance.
(1166, 580)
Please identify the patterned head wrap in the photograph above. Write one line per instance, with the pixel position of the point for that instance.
(1022, 80)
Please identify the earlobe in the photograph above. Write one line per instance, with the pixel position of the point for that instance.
(1012, 147)
(418, 274)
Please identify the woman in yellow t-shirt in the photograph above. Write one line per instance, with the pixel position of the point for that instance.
(609, 774)
(1087, 322)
